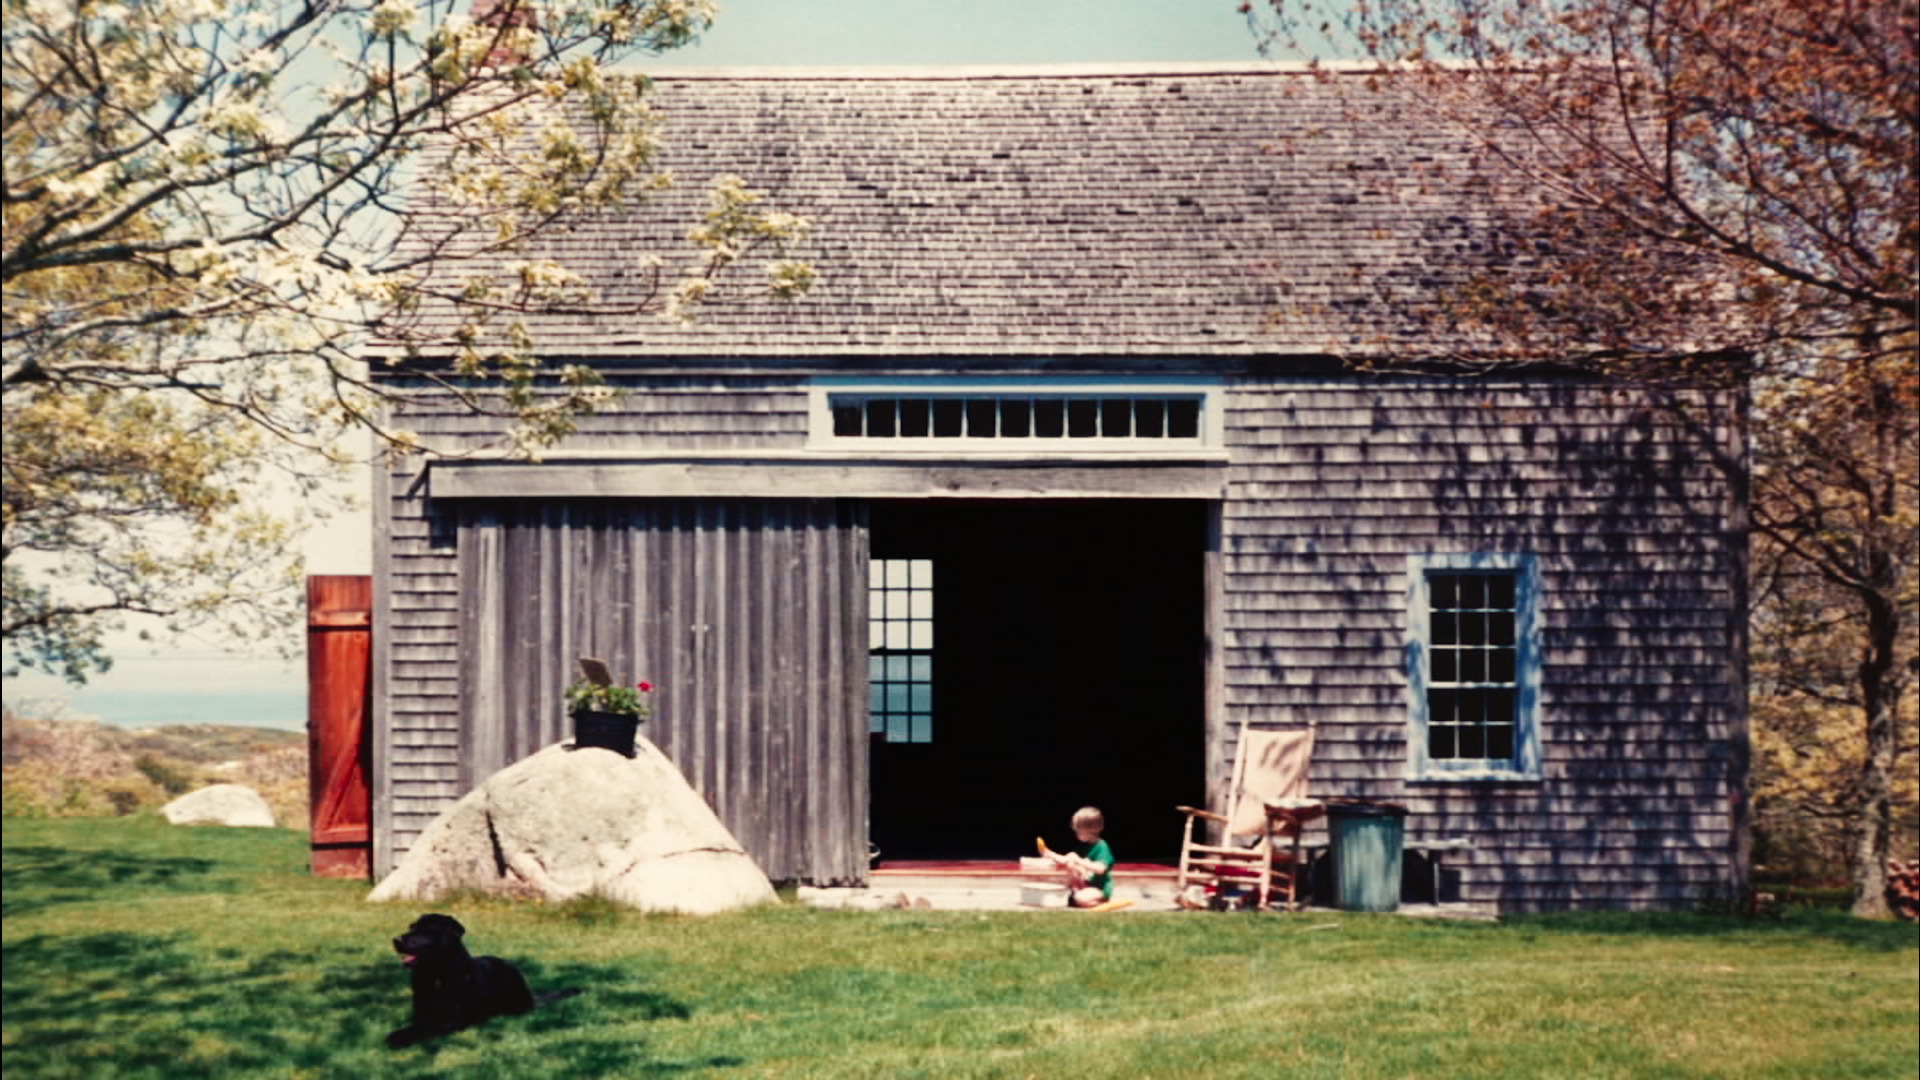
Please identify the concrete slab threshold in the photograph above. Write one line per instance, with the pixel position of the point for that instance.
(998, 887)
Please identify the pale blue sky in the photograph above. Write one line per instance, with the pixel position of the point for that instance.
(202, 683)
(870, 32)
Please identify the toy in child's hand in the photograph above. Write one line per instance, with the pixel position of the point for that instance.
(1040, 842)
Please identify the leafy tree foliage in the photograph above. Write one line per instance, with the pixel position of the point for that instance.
(1728, 192)
(202, 233)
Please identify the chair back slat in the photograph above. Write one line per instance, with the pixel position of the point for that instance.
(1272, 766)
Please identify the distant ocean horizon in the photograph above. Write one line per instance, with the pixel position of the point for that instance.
(285, 710)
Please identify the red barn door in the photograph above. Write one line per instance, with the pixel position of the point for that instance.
(339, 648)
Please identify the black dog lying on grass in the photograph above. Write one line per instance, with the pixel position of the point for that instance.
(454, 989)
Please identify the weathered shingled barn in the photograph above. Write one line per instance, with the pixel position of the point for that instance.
(1064, 477)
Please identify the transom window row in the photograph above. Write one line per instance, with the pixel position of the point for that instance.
(1016, 417)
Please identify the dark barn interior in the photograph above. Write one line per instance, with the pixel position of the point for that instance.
(1066, 669)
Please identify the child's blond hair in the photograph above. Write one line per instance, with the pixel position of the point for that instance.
(1089, 818)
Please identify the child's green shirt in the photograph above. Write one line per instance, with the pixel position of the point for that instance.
(1099, 852)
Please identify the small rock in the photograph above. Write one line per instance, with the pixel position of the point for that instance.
(221, 804)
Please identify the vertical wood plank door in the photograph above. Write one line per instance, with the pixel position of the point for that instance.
(748, 616)
(339, 647)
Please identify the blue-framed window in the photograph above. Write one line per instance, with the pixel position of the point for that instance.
(1473, 667)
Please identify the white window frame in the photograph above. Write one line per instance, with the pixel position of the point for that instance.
(900, 627)
(1525, 764)
(823, 390)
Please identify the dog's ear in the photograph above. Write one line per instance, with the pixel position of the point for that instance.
(438, 923)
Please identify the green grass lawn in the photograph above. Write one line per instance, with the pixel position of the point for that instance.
(133, 948)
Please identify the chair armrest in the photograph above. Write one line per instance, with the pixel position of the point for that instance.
(1193, 812)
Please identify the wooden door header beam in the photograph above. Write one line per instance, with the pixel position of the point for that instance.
(810, 476)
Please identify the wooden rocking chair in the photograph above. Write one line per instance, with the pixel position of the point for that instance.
(1267, 803)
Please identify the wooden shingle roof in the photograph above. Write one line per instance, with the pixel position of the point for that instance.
(1187, 210)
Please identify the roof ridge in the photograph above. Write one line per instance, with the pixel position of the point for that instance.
(951, 72)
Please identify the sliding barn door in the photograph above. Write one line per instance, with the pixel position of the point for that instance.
(748, 615)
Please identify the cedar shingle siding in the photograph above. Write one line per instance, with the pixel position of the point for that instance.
(1233, 228)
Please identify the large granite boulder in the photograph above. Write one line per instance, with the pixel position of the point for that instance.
(566, 822)
(221, 804)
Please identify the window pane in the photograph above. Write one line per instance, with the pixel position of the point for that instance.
(880, 418)
(1149, 419)
(923, 729)
(1049, 419)
(1440, 741)
(1473, 707)
(1446, 666)
(1500, 706)
(981, 414)
(897, 636)
(899, 728)
(1500, 666)
(1016, 419)
(899, 668)
(915, 417)
(921, 699)
(1445, 628)
(1499, 740)
(921, 637)
(920, 668)
(1473, 591)
(1116, 418)
(847, 420)
(1500, 592)
(946, 418)
(1500, 628)
(1444, 591)
(1473, 628)
(1473, 666)
(1183, 419)
(1443, 706)
(1083, 418)
(920, 573)
(1473, 743)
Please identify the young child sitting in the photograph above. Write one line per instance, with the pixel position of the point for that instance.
(1089, 870)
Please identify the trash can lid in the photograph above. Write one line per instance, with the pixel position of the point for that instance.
(1365, 809)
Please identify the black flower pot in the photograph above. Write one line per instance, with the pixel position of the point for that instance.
(605, 730)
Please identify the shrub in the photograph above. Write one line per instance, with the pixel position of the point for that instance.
(39, 789)
(170, 777)
(280, 776)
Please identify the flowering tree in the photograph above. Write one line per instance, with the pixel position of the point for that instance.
(1728, 189)
(203, 232)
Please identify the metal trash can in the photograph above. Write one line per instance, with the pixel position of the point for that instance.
(1366, 842)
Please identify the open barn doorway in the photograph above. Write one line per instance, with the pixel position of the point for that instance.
(1028, 658)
